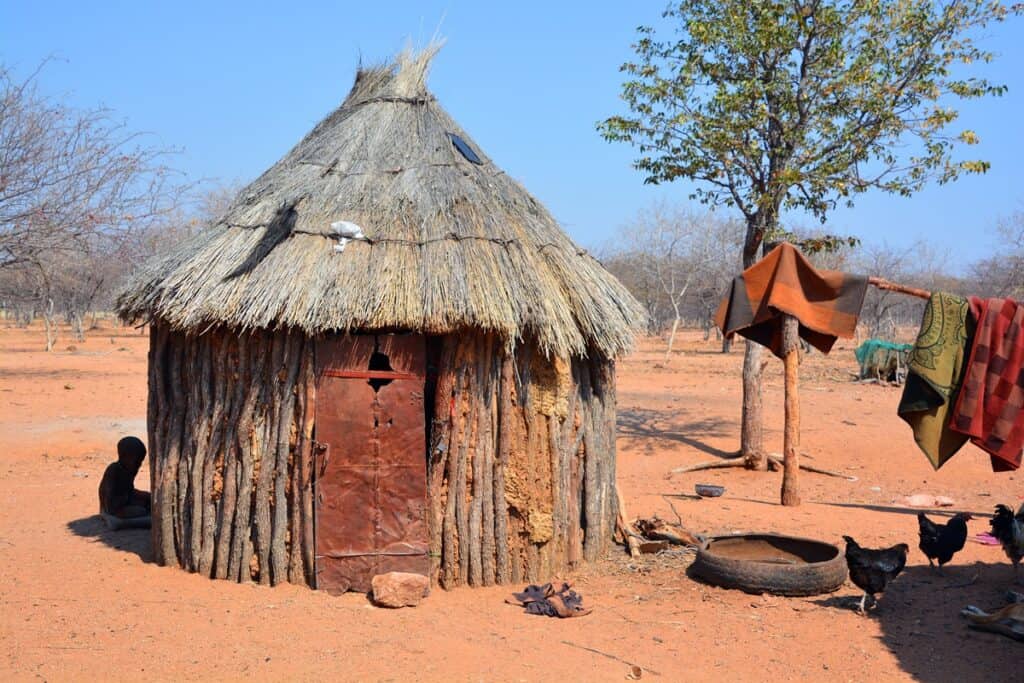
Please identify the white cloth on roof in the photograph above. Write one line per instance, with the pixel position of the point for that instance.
(346, 232)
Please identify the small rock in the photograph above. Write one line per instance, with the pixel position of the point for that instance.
(400, 589)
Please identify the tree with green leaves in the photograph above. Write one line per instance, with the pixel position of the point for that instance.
(801, 105)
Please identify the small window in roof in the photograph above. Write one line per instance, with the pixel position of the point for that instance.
(464, 149)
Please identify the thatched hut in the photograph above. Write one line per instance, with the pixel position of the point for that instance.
(432, 392)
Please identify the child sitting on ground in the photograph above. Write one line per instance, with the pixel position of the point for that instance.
(121, 504)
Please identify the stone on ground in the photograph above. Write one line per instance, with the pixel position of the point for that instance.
(400, 589)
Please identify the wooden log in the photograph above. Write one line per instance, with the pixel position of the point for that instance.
(265, 458)
(591, 471)
(629, 536)
(302, 530)
(575, 553)
(200, 409)
(564, 439)
(229, 494)
(296, 568)
(490, 407)
(882, 283)
(606, 370)
(252, 457)
(440, 448)
(791, 432)
(455, 475)
(559, 503)
(152, 410)
(173, 439)
(225, 366)
(466, 441)
(505, 388)
(187, 367)
(157, 415)
(474, 537)
(286, 418)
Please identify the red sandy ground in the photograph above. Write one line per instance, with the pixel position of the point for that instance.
(77, 602)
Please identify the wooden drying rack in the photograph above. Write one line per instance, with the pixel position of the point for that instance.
(882, 283)
(790, 461)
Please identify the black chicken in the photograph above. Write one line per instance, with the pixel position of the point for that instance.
(872, 570)
(939, 542)
(1009, 529)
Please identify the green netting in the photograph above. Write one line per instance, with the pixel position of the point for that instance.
(883, 358)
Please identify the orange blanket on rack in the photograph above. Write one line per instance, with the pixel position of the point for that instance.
(827, 303)
(990, 408)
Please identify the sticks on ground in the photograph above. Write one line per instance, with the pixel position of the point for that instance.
(610, 656)
(775, 461)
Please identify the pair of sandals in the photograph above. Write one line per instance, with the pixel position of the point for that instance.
(548, 601)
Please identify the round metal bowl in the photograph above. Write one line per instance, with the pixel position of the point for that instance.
(769, 563)
(708, 490)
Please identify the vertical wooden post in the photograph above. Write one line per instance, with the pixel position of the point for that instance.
(791, 433)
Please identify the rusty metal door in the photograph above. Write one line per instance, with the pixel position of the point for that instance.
(371, 486)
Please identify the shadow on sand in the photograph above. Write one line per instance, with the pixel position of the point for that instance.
(919, 617)
(136, 541)
(647, 427)
(940, 515)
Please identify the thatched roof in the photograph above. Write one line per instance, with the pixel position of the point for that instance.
(450, 245)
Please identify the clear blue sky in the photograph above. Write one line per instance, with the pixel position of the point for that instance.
(237, 84)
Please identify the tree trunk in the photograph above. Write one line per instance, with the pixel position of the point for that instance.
(672, 338)
(752, 431)
(50, 325)
(791, 433)
(77, 326)
(752, 425)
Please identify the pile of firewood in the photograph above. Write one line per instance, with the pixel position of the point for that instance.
(651, 534)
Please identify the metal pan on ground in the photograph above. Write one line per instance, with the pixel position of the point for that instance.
(709, 490)
(770, 563)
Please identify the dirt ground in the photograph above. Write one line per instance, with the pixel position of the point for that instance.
(81, 603)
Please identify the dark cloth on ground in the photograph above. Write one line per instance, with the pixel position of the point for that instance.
(990, 407)
(827, 303)
(936, 368)
(547, 601)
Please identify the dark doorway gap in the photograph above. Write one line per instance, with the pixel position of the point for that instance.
(381, 363)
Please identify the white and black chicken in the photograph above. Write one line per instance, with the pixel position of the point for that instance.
(1009, 529)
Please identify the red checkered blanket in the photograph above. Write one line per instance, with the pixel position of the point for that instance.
(990, 408)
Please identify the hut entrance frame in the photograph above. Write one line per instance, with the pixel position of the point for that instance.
(370, 460)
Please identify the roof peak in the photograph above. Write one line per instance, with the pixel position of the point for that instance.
(403, 78)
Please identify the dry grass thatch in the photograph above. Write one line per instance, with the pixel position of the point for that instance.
(450, 245)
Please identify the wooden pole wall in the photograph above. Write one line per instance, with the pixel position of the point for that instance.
(520, 462)
(230, 435)
(521, 475)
